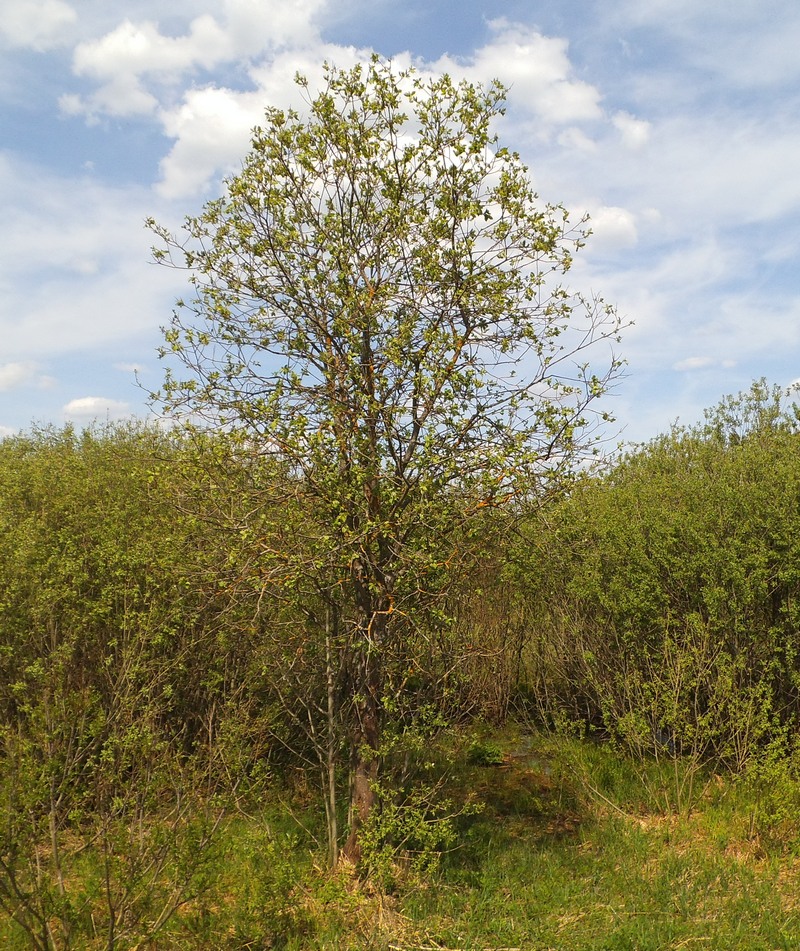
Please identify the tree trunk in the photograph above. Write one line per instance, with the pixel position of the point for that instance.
(331, 808)
(367, 719)
(365, 749)
(363, 797)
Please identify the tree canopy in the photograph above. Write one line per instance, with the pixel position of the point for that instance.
(378, 305)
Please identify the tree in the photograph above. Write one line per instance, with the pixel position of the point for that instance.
(377, 304)
(103, 640)
(667, 593)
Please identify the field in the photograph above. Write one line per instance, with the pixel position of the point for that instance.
(564, 844)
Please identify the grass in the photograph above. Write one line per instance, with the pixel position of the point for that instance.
(612, 884)
(598, 868)
(573, 849)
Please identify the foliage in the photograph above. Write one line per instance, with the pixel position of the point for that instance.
(772, 781)
(485, 753)
(378, 310)
(269, 908)
(404, 840)
(102, 711)
(666, 592)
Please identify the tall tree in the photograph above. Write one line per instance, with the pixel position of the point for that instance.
(378, 304)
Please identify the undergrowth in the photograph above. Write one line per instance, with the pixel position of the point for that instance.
(552, 842)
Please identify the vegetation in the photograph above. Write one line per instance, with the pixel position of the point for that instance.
(157, 791)
(373, 603)
(674, 627)
(379, 310)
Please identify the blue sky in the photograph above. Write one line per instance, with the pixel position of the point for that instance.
(674, 124)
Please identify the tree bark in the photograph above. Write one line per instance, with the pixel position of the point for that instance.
(331, 807)
(367, 715)
(363, 796)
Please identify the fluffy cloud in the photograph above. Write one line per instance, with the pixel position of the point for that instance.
(74, 264)
(612, 229)
(211, 129)
(140, 49)
(138, 69)
(87, 408)
(36, 24)
(634, 132)
(212, 126)
(574, 138)
(16, 375)
(120, 61)
(133, 63)
(536, 68)
(255, 24)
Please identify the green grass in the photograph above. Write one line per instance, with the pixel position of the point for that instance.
(611, 884)
(596, 866)
(574, 849)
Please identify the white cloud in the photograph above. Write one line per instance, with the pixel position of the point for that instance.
(212, 127)
(122, 96)
(536, 68)
(254, 24)
(120, 60)
(212, 131)
(138, 69)
(133, 62)
(634, 132)
(15, 375)
(75, 268)
(612, 228)
(573, 138)
(273, 75)
(695, 177)
(96, 407)
(140, 49)
(36, 24)
(694, 363)
(752, 44)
